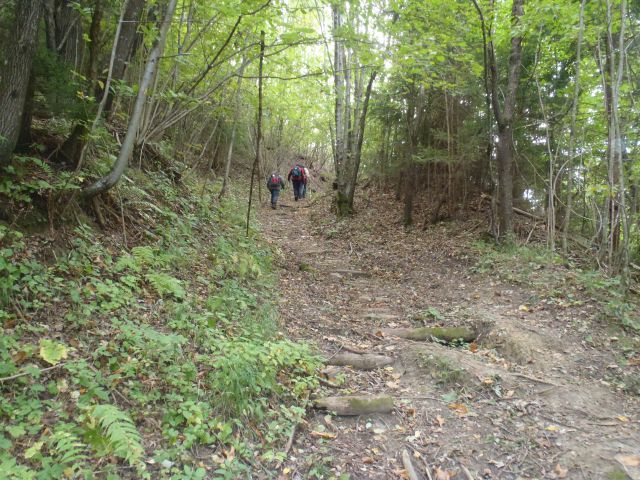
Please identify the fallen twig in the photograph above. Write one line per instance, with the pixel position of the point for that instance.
(534, 379)
(466, 472)
(22, 374)
(408, 466)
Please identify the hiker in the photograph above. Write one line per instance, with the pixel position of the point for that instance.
(297, 177)
(306, 181)
(274, 184)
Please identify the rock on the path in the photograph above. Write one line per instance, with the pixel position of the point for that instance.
(367, 361)
(356, 404)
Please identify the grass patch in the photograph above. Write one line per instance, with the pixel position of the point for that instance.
(443, 371)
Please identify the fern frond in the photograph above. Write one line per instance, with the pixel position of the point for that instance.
(120, 432)
(166, 285)
(67, 448)
(144, 255)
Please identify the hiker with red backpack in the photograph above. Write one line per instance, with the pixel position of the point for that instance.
(298, 178)
(274, 184)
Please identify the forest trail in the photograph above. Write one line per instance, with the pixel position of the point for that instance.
(528, 403)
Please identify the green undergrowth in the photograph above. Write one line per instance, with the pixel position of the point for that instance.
(161, 360)
(561, 282)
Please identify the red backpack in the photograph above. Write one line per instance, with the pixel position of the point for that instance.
(274, 181)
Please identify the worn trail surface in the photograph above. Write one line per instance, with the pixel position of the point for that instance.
(527, 401)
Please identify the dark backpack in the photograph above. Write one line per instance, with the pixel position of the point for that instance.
(296, 173)
(274, 181)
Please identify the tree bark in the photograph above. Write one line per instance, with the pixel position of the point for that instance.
(504, 116)
(14, 74)
(109, 180)
(69, 42)
(126, 46)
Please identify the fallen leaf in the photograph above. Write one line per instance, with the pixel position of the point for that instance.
(441, 474)
(401, 473)
(623, 418)
(325, 435)
(552, 428)
(523, 308)
(628, 460)
(459, 408)
(473, 346)
(560, 472)
(19, 357)
(440, 420)
(367, 460)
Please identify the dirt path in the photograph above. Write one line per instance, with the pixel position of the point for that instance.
(528, 402)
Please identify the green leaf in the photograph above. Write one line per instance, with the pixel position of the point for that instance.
(52, 352)
(33, 450)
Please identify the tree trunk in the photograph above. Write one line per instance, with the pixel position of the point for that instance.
(504, 116)
(26, 139)
(95, 45)
(234, 127)
(126, 46)
(14, 75)
(256, 163)
(572, 132)
(109, 180)
(69, 42)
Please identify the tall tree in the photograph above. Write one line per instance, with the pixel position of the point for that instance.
(352, 96)
(14, 75)
(504, 116)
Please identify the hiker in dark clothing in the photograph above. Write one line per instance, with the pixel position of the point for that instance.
(298, 178)
(274, 184)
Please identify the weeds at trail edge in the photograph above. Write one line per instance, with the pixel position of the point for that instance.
(559, 281)
(137, 363)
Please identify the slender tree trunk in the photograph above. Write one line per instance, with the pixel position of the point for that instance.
(109, 180)
(572, 132)
(234, 127)
(95, 45)
(340, 160)
(256, 163)
(17, 60)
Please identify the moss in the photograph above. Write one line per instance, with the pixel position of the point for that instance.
(343, 209)
(447, 334)
(371, 405)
